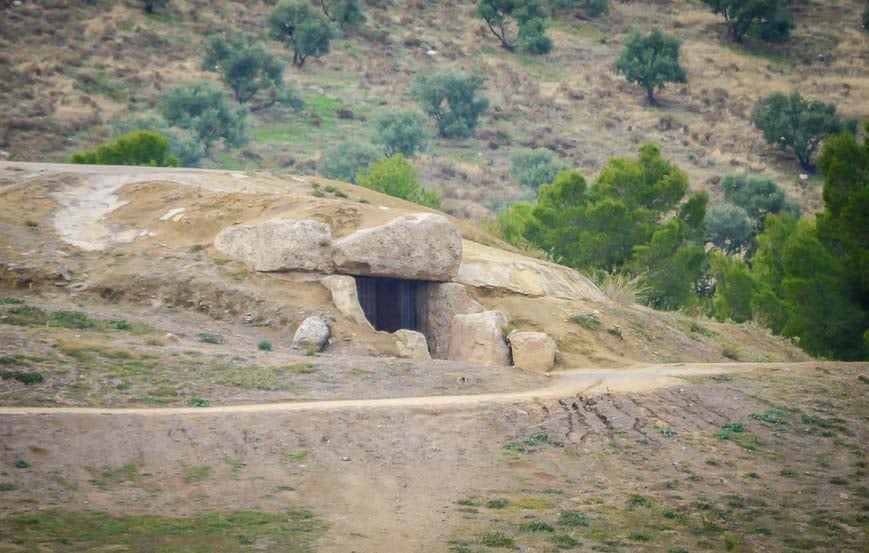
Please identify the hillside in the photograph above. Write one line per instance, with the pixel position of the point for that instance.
(112, 59)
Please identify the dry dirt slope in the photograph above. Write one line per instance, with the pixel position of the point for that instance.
(69, 68)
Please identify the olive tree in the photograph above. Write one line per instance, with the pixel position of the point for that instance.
(300, 27)
(205, 108)
(651, 61)
(450, 97)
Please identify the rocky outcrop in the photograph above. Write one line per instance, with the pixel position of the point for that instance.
(420, 246)
(532, 350)
(443, 301)
(345, 298)
(487, 267)
(279, 245)
(311, 335)
(479, 338)
(411, 344)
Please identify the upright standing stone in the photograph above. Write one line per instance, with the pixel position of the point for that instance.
(479, 338)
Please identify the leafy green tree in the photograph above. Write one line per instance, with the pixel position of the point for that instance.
(151, 4)
(452, 99)
(762, 18)
(206, 109)
(649, 182)
(346, 159)
(735, 288)
(865, 17)
(651, 61)
(798, 124)
(843, 224)
(511, 222)
(184, 144)
(137, 148)
(532, 168)
(396, 177)
(506, 18)
(759, 196)
(672, 264)
(346, 13)
(729, 227)
(401, 132)
(300, 27)
(249, 68)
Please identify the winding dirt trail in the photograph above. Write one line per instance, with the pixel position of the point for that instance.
(565, 384)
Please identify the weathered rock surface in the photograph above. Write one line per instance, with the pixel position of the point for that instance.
(411, 344)
(483, 266)
(479, 338)
(312, 334)
(279, 245)
(532, 350)
(443, 301)
(420, 246)
(345, 298)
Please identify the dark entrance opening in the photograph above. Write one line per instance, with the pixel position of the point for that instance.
(390, 304)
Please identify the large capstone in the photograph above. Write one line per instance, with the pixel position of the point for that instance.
(532, 350)
(279, 245)
(479, 338)
(311, 335)
(421, 246)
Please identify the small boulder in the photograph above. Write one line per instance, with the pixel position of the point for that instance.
(311, 335)
(279, 245)
(532, 350)
(479, 338)
(420, 246)
(411, 344)
(346, 298)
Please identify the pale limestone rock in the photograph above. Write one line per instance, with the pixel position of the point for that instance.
(532, 350)
(486, 267)
(443, 301)
(279, 245)
(345, 298)
(419, 246)
(311, 335)
(411, 344)
(479, 338)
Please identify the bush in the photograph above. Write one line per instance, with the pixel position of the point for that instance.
(210, 338)
(298, 26)
(347, 158)
(184, 144)
(450, 97)
(729, 227)
(264, 345)
(651, 61)
(346, 13)
(762, 18)
(798, 124)
(151, 4)
(137, 148)
(397, 177)
(595, 8)
(533, 38)
(248, 68)
(401, 132)
(532, 168)
(206, 109)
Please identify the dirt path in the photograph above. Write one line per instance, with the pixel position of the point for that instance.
(565, 384)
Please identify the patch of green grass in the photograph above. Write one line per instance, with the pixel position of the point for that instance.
(496, 539)
(27, 315)
(536, 526)
(497, 503)
(250, 378)
(226, 532)
(771, 416)
(296, 455)
(7, 487)
(210, 338)
(588, 321)
(636, 501)
(573, 519)
(669, 432)
(195, 473)
(563, 541)
(27, 378)
(198, 402)
(22, 464)
(10, 301)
